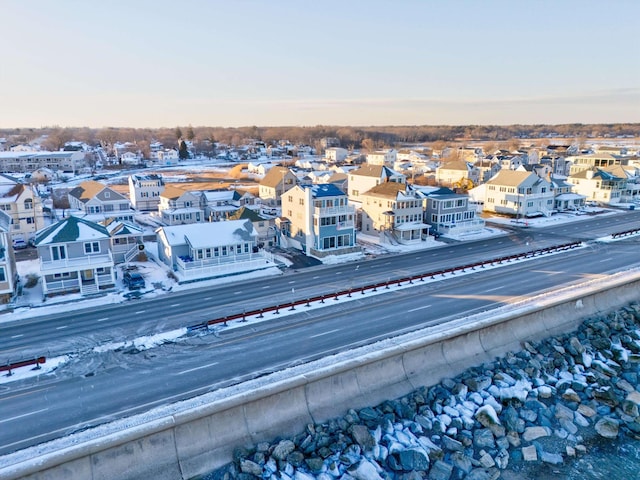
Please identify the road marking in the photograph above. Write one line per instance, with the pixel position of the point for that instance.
(325, 333)
(23, 415)
(606, 259)
(18, 336)
(102, 319)
(492, 289)
(197, 368)
(175, 305)
(266, 286)
(316, 277)
(338, 273)
(238, 292)
(140, 311)
(63, 326)
(207, 298)
(292, 281)
(418, 308)
(418, 258)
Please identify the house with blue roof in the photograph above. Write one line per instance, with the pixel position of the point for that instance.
(319, 220)
(75, 257)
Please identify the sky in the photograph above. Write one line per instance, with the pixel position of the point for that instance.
(160, 63)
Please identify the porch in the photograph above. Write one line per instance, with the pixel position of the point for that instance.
(188, 269)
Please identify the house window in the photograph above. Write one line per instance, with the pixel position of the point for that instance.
(92, 247)
(246, 248)
(62, 275)
(3, 275)
(224, 251)
(30, 221)
(28, 204)
(58, 252)
(101, 270)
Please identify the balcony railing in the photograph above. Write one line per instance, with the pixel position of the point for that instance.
(78, 263)
(220, 266)
(324, 211)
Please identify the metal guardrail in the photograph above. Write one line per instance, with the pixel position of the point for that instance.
(24, 363)
(625, 233)
(306, 302)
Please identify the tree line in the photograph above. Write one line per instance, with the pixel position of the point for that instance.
(205, 138)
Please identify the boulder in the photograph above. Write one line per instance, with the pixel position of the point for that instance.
(440, 471)
(362, 436)
(607, 427)
(284, 448)
(533, 433)
(529, 454)
(364, 470)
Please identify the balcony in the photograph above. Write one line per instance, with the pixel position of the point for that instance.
(326, 211)
(189, 269)
(76, 263)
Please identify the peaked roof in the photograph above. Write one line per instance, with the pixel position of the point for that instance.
(70, 229)
(319, 190)
(512, 178)
(273, 178)
(89, 189)
(172, 192)
(377, 171)
(121, 228)
(387, 190)
(203, 235)
(455, 165)
(245, 213)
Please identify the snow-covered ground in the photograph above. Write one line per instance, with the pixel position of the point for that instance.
(158, 283)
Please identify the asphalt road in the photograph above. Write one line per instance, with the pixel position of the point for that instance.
(95, 389)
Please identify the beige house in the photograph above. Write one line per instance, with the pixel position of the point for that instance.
(23, 205)
(277, 181)
(382, 157)
(393, 210)
(457, 173)
(522, 194)
(579, 163)
(96, 202)
(368, 176)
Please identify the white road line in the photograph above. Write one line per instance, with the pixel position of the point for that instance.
(196, 368)
(316, 277)
(207, 298)
(63, 326)
(605, 260)
(325, 333)
(418, 308)
(175, 305)
(23, 415)
(140, 311)
(102, 319)
(492, 289)
(238, 292)
(17, 336)
(266, 286)
(292, 281)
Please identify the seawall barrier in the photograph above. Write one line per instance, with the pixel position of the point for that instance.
(196, 436)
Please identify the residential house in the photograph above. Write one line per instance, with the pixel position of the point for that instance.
(180, 207)
(580, 163)
(8, 272)
(449, 213)
(209, 250)
(126, 240)
(335, 154)
(320, 220)
(219, 204)
(564, 198)
(457, 173)
(368, 176)
(264, 227)
(275, 183)
(75, 256)
(382, 157)
(394, 210)
(486, 169)
(23, 205)
(523, 194)
(145, 190)
(42, 175)
(599, 185)
(96, 202)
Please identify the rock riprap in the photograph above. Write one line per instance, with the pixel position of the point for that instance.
(543, 404)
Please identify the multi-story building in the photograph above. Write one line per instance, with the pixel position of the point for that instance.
(75, 256)
(579, 163)
(395, 211)
(522, 194)
(368, 176)
(97, 202)
(23, 205)
(180, 207)
(320, 220)
(145, 190)
(457, 173)
(599, 185)
(449, 213)
(276, 181)
(382, 157)
(8, 272)
(24, 162)
(335, 154)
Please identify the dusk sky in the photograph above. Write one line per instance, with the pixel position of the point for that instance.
(157, 63)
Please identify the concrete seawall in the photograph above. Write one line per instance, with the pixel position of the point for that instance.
(198, 436)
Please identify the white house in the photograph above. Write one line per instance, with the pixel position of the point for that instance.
(523, 194)
(145, 190)
(382, 157)
(335, 154)
(98, 202)
(180, 207)
(209, 250)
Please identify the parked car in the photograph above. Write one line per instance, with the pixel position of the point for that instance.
(19, 244)
(133, 280)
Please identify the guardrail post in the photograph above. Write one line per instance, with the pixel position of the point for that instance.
(293, 306)
(261, 315)
(307, 304)
(277, 312)
(362, 291)
(9, 372)
(336, 297)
